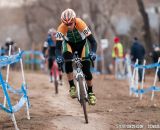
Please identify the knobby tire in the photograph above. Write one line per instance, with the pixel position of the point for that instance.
(82, 98)
(55, 80)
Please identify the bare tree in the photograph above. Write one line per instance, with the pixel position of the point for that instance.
(27, 23)
(146, 27)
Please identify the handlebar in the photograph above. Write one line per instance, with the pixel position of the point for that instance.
(76, 58)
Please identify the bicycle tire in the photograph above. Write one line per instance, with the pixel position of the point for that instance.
(55, 79)
(56, 86)
(82, 98)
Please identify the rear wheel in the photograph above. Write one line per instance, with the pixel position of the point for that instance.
(55, 79)
(82, 98)
(56, 86)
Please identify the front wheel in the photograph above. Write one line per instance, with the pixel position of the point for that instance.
(55, 79)
(56, 86)
(83, 97)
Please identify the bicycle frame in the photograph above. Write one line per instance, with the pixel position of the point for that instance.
(55, 74)
(55, 71)
(78, 74)
(54, 68)
(81, 85)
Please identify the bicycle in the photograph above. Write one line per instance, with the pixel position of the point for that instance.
(81, 85)
(55, 73)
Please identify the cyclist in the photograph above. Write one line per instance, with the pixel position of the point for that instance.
(74, 34)
(50, 45)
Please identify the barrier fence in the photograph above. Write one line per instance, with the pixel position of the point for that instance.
(22, 92)
(137, 87)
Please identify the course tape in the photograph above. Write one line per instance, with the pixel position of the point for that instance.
(33, 52)
(142, 91)
(150, 66)
(6, 60)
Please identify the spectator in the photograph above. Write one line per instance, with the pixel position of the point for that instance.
(137, 52)
(117, 55)
(155, 56)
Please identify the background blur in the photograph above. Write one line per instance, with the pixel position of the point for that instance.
(27, 22)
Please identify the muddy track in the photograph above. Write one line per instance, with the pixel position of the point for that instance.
(50, 111)
(59, 112)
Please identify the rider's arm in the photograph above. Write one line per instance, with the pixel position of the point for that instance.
(45, 46)
(81, 25)
(93, 43)
(58, 48)
(61, 31)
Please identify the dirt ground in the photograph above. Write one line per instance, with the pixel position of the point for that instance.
(114, 110)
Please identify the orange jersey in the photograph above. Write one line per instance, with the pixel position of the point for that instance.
(79, 33)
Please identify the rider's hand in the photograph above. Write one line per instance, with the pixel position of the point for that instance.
(92, 55)
(43, 57)
(59, 60)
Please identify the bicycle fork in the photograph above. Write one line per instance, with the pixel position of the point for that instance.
(78, 89)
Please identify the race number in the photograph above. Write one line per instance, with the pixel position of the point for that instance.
(59, 36)
(86, 31)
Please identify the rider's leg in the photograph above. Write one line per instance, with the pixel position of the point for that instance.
(89, 84)
(50, 63)
(70, 78)
(67, 55)
(88, 74)
(69, 71)
(88, 77)
(68, 67)
(60, 77)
